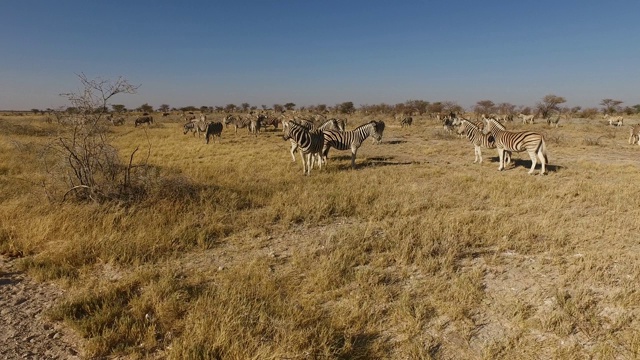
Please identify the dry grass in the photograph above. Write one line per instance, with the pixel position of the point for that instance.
(418, 253)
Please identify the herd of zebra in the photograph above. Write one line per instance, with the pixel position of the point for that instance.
(314, 137)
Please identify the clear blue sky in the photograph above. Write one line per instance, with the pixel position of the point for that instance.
(322, 52)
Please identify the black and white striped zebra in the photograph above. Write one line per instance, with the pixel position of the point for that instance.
(407, 121)
(238, 122)
(331, 124)
(195, 127)
(478, 139)
(213, 129)
(518, 141)
(310, 144)
(351, 140)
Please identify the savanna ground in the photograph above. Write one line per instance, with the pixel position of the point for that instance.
(418, 253)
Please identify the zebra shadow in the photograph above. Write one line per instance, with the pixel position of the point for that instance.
(394, 142)
(345, 162)
(526, 163)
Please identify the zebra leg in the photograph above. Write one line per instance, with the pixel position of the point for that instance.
(501, 159)
(507, 156)
(294, 147)
(353, 158)
(478, 154)
(534, 157)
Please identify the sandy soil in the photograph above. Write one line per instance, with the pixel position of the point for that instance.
(25, 331)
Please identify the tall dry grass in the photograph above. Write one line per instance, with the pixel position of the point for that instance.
(418, 253)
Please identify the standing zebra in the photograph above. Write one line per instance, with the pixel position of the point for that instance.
(195, 127)
(331, 124)
(345, 140)
(518, 141)
(407, 121)
(310, 144)
(478, 139)
(237, 122)
(634, 135)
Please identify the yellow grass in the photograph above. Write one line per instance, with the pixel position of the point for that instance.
(418, 253)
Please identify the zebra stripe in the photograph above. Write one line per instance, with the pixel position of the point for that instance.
(194, 127)
(310, 144)
(518, 141)
(345, 140)
(478, 139)
(406, 121)
(237, 122)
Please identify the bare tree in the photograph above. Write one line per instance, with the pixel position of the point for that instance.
(80, 159)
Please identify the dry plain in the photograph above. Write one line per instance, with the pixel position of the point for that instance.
(230, 252)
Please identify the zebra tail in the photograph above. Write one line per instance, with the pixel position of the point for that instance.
(543, 146)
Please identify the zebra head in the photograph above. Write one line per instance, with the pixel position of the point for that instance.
(378, 129)
(286, 129)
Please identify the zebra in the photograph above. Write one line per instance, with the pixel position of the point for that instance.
(553, 121)
(478, 139)
(213, 129)
(238, 122)
(518, 141)
(407, 121)
(331, 124)
(310, 144)
(634, 135)
(255, 124)
(143, 119)
(195, 127)
(345, 140)
(614, 120)
(526, 118)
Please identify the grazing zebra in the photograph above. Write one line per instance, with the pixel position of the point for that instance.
(345, 140)
(407, 121)
(213, 129)
(270, 121)
(526, 118)
(143, 119)
(478, 139)
(195, 127)
(634, 135)
(310, 144)
(518, 141)
(238, 122)
(119, 120)
(615, 120)
(552, 121)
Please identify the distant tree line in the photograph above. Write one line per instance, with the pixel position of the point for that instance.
(548, 106)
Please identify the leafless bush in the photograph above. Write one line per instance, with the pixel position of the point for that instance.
(80, 160)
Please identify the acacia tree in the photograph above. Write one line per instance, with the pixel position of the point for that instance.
(289, 106)
(164, 108)
(548, 104)
(484, 107)
(80, 159)
(610, 106)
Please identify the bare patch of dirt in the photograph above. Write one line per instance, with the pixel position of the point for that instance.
(25, 331)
